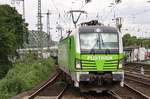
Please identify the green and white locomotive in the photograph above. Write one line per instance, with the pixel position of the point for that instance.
(92, 55)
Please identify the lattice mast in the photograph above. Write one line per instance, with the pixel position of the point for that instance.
(39, 26)
(48, 28)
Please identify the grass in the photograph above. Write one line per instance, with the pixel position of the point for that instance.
(25, 74)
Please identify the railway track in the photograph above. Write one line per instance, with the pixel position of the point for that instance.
(74, 93)
(54, 78)
(139, 68)
(143, 95)
(128, 92)
(61, 93)
(68, 92)
(115, 95)
(138, 83)
(132, 90)
(137, 78)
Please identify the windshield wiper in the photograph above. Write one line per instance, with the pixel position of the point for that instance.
(97, 41)
(107, 51)
(101, 38)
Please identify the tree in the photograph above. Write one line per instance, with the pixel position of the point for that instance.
(139, 42)
(133, 40)
(12, 32)
(12, 20)
(129, 40)
(126, 41)
(146, 43)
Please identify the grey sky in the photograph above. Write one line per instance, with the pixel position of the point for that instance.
(134, 12)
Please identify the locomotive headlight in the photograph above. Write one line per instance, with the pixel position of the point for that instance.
(120, 65)
(78, 65)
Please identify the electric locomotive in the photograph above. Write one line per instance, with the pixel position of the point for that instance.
(92, 55)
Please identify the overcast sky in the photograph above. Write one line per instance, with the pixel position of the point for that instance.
(135, 13)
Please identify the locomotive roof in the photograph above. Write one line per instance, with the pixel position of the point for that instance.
(92, 29)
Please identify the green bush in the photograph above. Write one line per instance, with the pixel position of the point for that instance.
(24, 75)
(4, 68)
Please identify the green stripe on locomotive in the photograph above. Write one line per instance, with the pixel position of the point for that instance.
(89, 62)
(99, 62)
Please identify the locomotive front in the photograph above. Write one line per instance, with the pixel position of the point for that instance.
(99, 55)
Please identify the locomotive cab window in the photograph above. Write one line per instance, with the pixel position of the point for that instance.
(99, 41)
(109, 41)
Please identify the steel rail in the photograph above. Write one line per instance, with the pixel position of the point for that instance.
(142, 80)
(142, 94)
(137, 73)
(62, 92)
(88, 96)
(114, 94)
(146, 72)
(138, 69)
(47, 83)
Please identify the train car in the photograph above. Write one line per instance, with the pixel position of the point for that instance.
(92, 56)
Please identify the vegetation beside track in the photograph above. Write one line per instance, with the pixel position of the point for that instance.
(24, 75)
(13, 34)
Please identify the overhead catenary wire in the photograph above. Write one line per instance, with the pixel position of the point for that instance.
(111, 10)
(137, 14)
(144, 11)
(60, 15)
(58, 12)
(113, 5)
